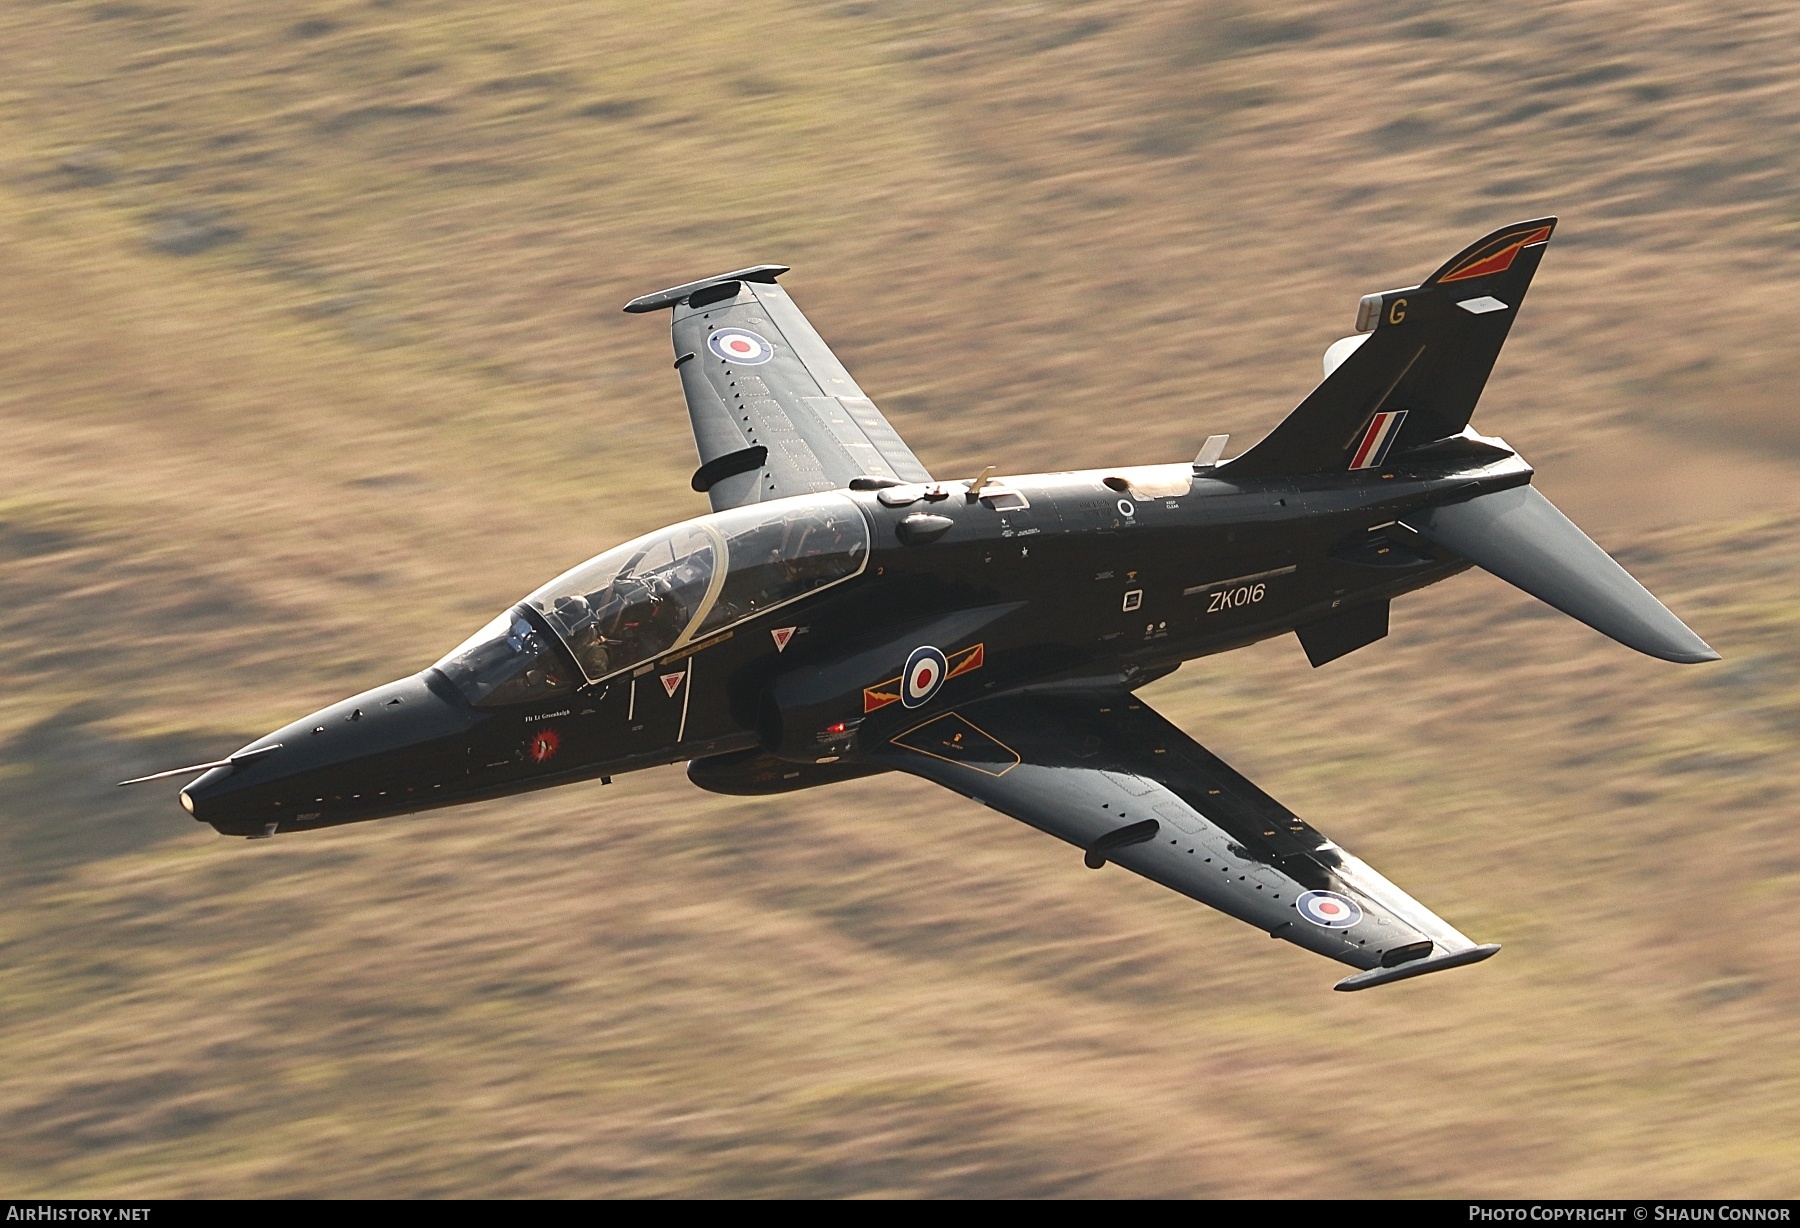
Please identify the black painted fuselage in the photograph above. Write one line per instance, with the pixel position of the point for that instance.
(1060, 578)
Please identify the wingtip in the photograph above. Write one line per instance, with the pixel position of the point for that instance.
(763, 273)
(1419, 967)
(1694, 652)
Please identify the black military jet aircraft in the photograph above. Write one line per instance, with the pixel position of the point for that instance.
(841, 613)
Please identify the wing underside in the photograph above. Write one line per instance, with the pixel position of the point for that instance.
(774, 412)
(1106, 773)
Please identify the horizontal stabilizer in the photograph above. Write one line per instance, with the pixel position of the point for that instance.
(1520, 536)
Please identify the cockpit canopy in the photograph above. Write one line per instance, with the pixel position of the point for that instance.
(655, 594)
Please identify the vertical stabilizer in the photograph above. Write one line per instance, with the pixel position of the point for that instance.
(1416, 377)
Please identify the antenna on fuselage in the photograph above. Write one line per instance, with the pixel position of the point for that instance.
(1211, 451)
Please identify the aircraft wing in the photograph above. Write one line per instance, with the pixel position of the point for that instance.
(774, 411)
(1103, 771)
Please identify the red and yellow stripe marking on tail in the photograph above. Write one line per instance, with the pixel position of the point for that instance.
(1497, 261)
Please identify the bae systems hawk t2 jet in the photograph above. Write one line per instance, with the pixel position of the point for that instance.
(840, 613)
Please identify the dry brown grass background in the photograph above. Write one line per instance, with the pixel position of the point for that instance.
(310, 359)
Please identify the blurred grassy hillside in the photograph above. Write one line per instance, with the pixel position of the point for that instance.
(311, 359)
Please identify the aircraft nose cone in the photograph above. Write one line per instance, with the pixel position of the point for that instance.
(385, 751)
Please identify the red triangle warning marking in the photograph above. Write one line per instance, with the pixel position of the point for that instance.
(672, 682)
(781, 636)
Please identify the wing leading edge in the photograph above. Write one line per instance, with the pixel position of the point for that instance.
(774, 412)
(1105, 772)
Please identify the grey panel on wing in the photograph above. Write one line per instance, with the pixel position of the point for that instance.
(862, 450)
(716, 431)
(797, 400)
(834, 380)
(1092, 767)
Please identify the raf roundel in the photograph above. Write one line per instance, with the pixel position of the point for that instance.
(741, 346)
(1329, 909)
(925, 672)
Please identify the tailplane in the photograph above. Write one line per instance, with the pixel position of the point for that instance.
(1416, 367)
(1521, 537)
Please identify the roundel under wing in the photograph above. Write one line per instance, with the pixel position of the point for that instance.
(1329, 909)
(924, 674)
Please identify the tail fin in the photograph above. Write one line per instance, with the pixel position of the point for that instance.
(1414, 375)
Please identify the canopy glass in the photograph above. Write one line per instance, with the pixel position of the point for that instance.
(659, 592)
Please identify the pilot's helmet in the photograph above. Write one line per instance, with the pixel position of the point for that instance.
(573, 612)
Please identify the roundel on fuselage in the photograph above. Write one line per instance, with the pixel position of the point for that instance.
(924, 674)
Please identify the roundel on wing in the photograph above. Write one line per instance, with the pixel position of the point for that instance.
(1329, 909)
(741, 346)
(925, 671)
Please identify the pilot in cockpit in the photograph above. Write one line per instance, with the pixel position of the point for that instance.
(634, 617)
(574, 614)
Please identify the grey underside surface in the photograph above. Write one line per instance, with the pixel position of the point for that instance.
(1520, 536)
(802, 405)
(1081, 766)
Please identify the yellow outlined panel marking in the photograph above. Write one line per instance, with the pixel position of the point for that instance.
(954, 738)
